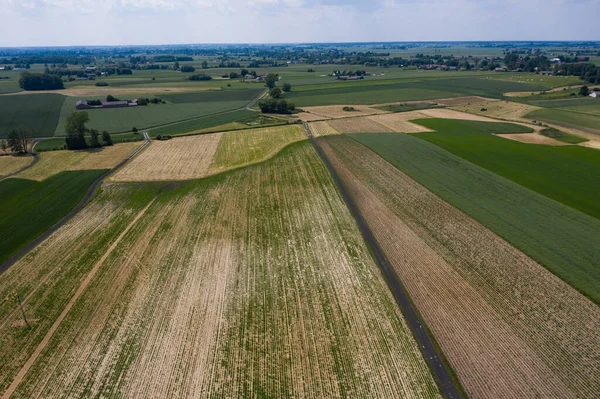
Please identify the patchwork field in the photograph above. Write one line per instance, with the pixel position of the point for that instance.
(55, 162)
(531, 138)
(357, 125)
(337, 111)
(10, 164)
(176, 159)
(304, 312)
(508, 326)
(202, 123)
(399, 122)
(508, 110)
(36, 113)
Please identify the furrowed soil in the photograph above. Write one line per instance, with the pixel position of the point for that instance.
(176, 159)
(319, 129)
(357, 125)
(10, 164)
(507, 326)
(54, 162)
(254, 283)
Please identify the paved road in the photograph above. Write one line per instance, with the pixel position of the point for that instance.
(417, 327)
(254, 100)
(36, 159)
(91, 191)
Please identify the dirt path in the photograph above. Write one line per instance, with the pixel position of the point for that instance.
(440, 373)
(38, 240)
(21, 374)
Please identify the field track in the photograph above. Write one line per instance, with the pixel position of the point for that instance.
(517, 330)
(430, 353)
(91, 191)
(42, 345)
(36, 159)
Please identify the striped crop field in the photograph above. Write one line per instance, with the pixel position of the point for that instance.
(250, 283)
(508, 326)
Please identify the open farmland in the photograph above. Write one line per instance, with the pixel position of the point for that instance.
(528, 220)
(574, 170)
(31, 207)
(531, 138)
(319, 129)
(304, 312)
(508, 326)
(357, 125)
(243, 147)
(176, 159)
(11, 164)
(37, 113)
(399, 122)
(337, 111)
(202, 123)
(55, 162)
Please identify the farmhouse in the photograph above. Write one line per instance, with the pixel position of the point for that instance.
(84, 104)
(547, 73)
(595, 94)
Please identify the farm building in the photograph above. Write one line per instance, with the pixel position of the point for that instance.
(547, 73)
(595, 94)
(84, 104)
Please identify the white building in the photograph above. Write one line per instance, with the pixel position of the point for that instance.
(595, 94)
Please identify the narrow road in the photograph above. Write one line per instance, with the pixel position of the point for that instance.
(254, 100)
(36, 159)
(39, 239)
(417, 327)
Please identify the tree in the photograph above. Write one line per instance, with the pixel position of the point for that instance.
(94, 142)
(18, 140)
(244, 72)
(40, 81)
(287, 87)
(584, 91)
(106, 139)
(134, 130)
(110, 98)
(187, 68)
(76, 130)
(275, 92)
(4, 145)
(271, 80)
(176, 66)
(204, 64)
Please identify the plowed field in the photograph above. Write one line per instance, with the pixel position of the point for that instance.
(357, 125)
(319, 129)
(508, 326)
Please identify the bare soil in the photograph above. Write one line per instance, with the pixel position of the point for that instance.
(532, 138)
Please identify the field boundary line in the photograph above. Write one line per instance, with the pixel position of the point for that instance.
(93, 187)
(84, 284)
(416, 325)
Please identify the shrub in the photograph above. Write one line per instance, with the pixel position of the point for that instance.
(275, 106)
(187, 68)
(287, 87)
(349, 109)
(101, 84)
(201, 76)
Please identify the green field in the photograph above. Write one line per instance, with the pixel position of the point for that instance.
(562, 136)
(37, 113)
(559, 237)
(371, 92)
(201, 123)
(31, 207)
(58, 143)
(567, 174)
(215, 96)
(568, 116)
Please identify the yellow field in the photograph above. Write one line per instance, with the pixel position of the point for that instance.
(180, 158)
(452, 102)
(319, 129)
(532, 138)
(337, 111)
(254, 282)
(498, 109)
(243, 147)
(10, 164)
(508, 326)
(222, 128)
(399, 122)
(53, 162)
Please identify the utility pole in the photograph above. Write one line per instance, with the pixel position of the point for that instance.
(22, 310)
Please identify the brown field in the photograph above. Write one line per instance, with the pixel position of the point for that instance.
(508, 326)
(84, 91)
(319, 129)
(399, 122)
(53, 162)
(498, 109)
(337, 111)
(10, 164)
(221, 128)
(306, 117)
(180, 158)
(201, 298)
(452, 102)
(452, 114)
(357, 125)
(532, 138)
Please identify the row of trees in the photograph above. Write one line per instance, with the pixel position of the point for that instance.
(18, 141)
(40, 81)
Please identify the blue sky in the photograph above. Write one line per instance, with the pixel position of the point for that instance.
(121, 22)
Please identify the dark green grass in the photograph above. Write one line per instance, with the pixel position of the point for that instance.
(201, 123)
(559, 237)
(567, 102)
(37, 113)
(29, 207)
(426, 89)
(562, 136)
(567, 174)
(209, 96)
(59, 143)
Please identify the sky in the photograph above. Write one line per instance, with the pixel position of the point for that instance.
(126, 22)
